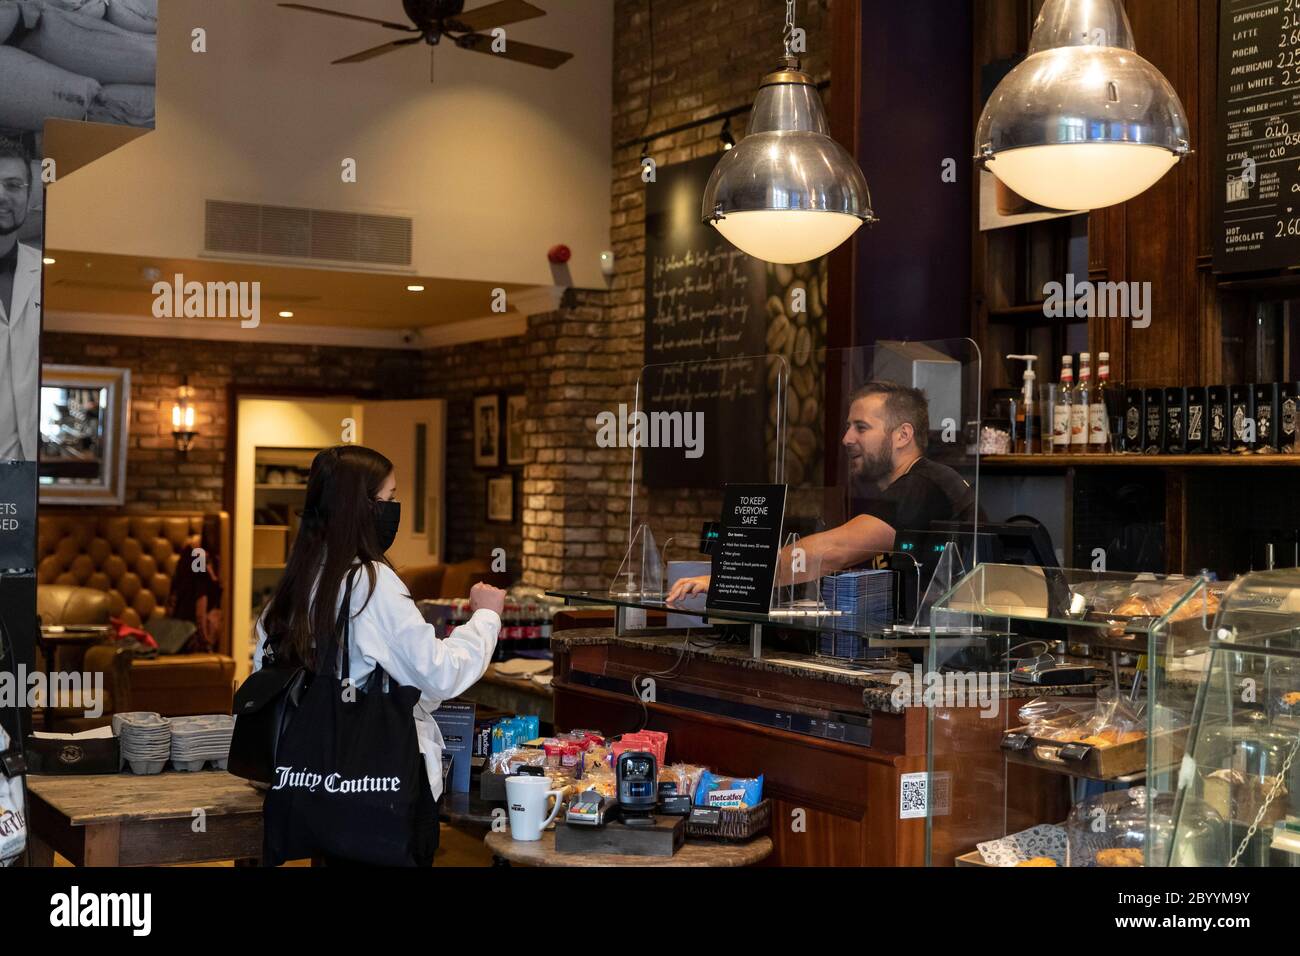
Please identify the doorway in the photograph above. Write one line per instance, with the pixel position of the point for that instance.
(276, 438)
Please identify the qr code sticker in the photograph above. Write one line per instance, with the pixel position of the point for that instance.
(913, 795)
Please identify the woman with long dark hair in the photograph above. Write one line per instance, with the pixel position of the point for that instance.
(349, 521)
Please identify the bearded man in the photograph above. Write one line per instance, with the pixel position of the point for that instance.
(885, 440)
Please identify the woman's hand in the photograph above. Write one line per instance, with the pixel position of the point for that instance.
(686, 587)
(486, 596)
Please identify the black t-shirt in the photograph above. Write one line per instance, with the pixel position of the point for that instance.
(929, 492)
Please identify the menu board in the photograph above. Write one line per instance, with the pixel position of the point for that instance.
(705, 306)
(744, 559)
(1257, 150)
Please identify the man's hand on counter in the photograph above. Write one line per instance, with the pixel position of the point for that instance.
(686, 587)
(486, 596)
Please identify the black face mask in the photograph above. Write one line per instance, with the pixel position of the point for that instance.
(388, 514)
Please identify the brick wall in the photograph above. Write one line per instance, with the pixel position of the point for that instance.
(457, 374)
(156, 476)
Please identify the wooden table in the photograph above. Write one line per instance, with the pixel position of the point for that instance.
(128, 820)
(542, 853)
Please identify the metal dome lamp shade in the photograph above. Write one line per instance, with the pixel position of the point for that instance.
(787, 192)
(1082, 122)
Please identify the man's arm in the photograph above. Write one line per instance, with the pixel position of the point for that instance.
(829, 551)
(823, 553)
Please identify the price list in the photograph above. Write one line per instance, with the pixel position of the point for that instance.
(1257, 158)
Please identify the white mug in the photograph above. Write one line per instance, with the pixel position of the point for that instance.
(526, 797)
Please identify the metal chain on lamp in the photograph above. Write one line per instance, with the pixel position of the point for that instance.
(787, 192)
(788, 34)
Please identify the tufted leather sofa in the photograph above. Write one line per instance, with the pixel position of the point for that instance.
(130, 557)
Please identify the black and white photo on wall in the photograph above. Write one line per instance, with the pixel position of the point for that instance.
(83, 60)
(77, 60)
(501, 499)
(487, 431)
(21, 252)
(515, 406)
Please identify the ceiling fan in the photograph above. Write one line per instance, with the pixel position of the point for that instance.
(431, 20)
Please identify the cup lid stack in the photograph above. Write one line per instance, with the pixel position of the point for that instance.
(197, 740)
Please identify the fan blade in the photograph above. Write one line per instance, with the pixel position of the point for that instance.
(375, 51)
(404, 27)
(493, 15)
(541, 56)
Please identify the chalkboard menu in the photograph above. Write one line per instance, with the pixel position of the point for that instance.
(1257, 150)
(705, 304)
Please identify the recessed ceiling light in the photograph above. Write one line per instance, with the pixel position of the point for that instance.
(49, 261)
(415, 288)
(286, 315)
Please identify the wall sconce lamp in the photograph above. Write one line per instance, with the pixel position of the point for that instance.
(183, 417)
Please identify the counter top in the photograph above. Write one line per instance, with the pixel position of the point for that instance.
(875, 680)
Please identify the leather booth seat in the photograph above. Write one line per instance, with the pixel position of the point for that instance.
(95, 566)
(129, 557)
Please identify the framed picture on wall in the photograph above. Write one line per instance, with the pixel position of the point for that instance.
(84, 413)
(487, 431)
(515, 405)
(501, 499)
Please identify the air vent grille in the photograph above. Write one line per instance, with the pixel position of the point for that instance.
(293, 233)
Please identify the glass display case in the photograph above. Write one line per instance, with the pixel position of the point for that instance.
(1096, 675)
(1241, 760)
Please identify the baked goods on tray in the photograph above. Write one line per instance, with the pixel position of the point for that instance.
(1120, 856)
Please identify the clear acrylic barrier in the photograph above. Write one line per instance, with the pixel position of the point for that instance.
(1150, 631)
(695, 427)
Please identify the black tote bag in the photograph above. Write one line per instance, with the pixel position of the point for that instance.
(350, 782)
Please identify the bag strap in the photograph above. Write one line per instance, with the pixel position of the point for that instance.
(328, 651)
(13, 762)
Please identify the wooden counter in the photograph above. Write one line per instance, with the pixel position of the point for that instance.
(835, 801)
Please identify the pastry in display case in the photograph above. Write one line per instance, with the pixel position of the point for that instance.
(1133, 827)
(1242, 755)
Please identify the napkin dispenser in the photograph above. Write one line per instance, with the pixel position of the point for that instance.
(72, 753)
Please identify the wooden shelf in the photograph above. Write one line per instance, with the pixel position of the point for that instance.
(1139, 461)
(271, 487)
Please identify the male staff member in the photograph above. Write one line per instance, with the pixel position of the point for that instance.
(885, 440)
(20, 311)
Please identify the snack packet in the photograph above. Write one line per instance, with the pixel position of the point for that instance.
(736, 793)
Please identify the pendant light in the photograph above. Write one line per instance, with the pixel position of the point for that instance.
(1082, 122)
(787, 192)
